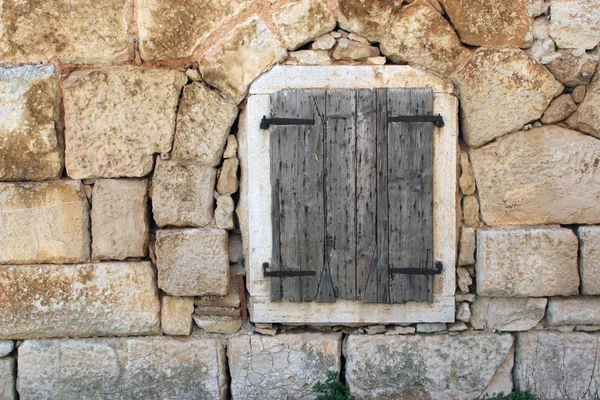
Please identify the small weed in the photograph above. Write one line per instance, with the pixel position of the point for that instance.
(332, 389)
(512, 396)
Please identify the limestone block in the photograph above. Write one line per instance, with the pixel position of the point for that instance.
(228, 181)
(182, 193)
(431, 328)
(131, 117)
(218, 323)
(6, 347)
(224, 212)
(122, 368)
(573, 68)
(464, 279)
(574, 23)
(421, 36)
(284, 366)
(507, 314)
(204, 119)
(521, 262)
(231, 299)
(325, 42)
(301, 21)
(507, 85)
(547, 175)
(192, 262)
(491, 24)
(231, 147)
(470, 208)
(424, 366)
(106, 299)
(574, 311)
(349, 50)
(312, 57)
(246, 52)
(93, 32)
(502, 381)
(466, 254)
(29, 107)
(556, 365)
(176, 315)
(44, 222)
(120, 225)
(8, 376)
(587, 116)
(367, 18)
(560, 108)
(589, 259)
(466, 180)
(189, 22)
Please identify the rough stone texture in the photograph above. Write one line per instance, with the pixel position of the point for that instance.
(176, 315)
(431, 328)
(543, 50)
(127, 368)
(88, 33)
(349, 50)
(173, 29)
(574, 23)
(204, 119)
(421, 36)
(470, 208)
(324, 42)
(243, 55)
(521, 262)
(587, 116)
(466, 254)
(285, 366)
(6, 347)
(236, 249)
(228, 181)
(29, 107)
(8, 375)
(218, 323)
(507, 314)
(573, 68)
(106, 299)
(193, 262)
(573, 311)
(231, 147)
(492, 24)
(367, 18)
(579, 94)
(502, 381)
(120, 225)
(131, 117)
(507, 85)
(301, 21)
(231, 299)
(463, 312)
(182, 193)
(555, 365)
(560, 108)
(312, 57)
(464, 279)
(44, 222)
(589, 259)
(224, 212)
(466, 180)
(424, 366)
(546, 175)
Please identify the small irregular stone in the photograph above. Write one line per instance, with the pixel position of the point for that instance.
(376, 60)
(431, 328)
(470, 297)
(466, 253)
(470, 208)
(401, 330)
(573, 311)
(579, 94)
(367, 18)
(236, 249)
(6, 347)
(573, 68)
(457, 327)
(543, 49)
(560, 108)
(224, 212)
(348, 50)
(228, 181)
(301, 21)
(507, 314)
(574, 23)
(466, 180)
(589, 259)
(231, 299)
(587, 116)
(231, 147)
(325, 42)
(312, 57)
(8, 378)
(218, 323)
(176, 315)
(463, 312)
(464, 279)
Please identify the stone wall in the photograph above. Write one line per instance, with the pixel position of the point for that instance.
(121, 255)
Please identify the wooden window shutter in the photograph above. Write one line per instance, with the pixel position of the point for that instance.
(352, 196)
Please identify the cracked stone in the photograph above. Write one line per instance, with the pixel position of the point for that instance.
(507, 314)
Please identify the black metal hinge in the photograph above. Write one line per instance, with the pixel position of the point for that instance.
(285, 274)
(418, 271)
(436, 119)
(265, 122)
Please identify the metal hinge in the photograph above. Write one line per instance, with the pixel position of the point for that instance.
(418, 271)
(436, 119)
(265, 122)
(285, 274)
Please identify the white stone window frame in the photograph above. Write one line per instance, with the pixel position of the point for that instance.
(255, 202)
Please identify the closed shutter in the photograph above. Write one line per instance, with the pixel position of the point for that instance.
(352, 196)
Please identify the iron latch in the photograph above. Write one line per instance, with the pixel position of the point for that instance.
(436, 119)
(285, 274)
(418, 271)
(265, 122)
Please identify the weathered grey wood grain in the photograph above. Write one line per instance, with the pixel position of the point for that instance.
(276, 105)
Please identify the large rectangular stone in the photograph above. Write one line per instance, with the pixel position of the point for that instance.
(127, 368)
(527, 262)
(107, 299)
(589, 259)
(43, 223)
(8, 377)
(507, 313)
(425, 366)
(284, 366)
(573, 311)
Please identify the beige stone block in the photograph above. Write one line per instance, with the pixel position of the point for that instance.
(367, 18)
(502, 381)
(105, 299)
(587, 117)
(246, 52)
(228, 181)
(204, 119)
(92, 32)
(467, 179)
(120, 225)
(325, 42)
(574, 23)
(463, 312)
(8, 377)
(218, 323)
(44, 222)
(231, 147)
(560, 108)
(507, 314)
(131, 117)
(349, 50)
(507, 85)
(286, 365)
(573, 311)
(312, 57)
(573, 67)
(546, 175)
(579, 93)
(231, 299)
(527, 262)
(193, 262)
(589, 259)
(176, 315)
(301, 21)
(29, 108)
(466, 254)
(123, 368)
(182, 193)
(224, 212)
(470, 208)
(421, 36)
(492, 24)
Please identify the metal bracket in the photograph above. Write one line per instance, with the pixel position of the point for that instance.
(418, 271)
(436, 119)
(285, 274)
(265, 122)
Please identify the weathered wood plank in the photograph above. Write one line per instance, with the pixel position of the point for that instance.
(410, 193)
(276, 104)
(340, 189)
(383, 285)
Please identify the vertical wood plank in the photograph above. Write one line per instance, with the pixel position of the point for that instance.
(383, 285)
(410, 193)
(276, 104)
(340, 189)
